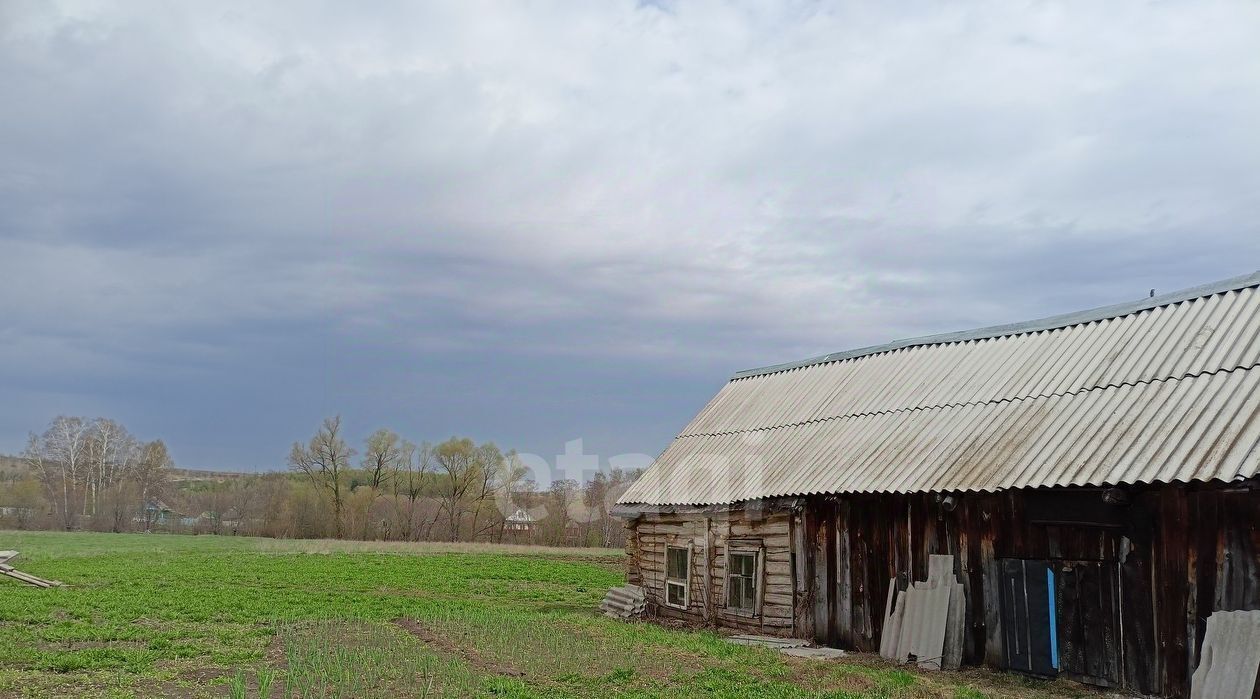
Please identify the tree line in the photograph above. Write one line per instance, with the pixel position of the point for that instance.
(456, 490)
(91, 474)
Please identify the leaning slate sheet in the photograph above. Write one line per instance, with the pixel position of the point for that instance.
(930, 644)
(1230, 657)
(893, 613)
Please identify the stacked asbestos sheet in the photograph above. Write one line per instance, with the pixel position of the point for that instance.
(924, 623)
(624, 602)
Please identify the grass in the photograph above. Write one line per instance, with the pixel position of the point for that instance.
(156, 615)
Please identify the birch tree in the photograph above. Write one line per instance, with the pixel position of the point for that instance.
(111, 454)
(59, 458)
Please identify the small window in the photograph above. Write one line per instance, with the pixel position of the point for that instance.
(677, 574)
(741, 582)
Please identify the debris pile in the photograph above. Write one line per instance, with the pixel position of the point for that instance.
(767, 641)
(924, 623)
(10, 571)
(1230, 656)
(819, 653)
(624, 602)
(794, 647)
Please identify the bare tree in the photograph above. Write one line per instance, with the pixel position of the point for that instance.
(239, 504)
(94, 468)
(411, 472)
(112, 453)
(59, 458)
(151, 474)
(563, 493)
(382, 453)
(457, 463)
(486, 483)
(210, 502)
(27, 499)
(116, 506)
(324, 460)
(526, 496)
(308, 511)
(594, 496)
(95, 473)
(512, 476)
(381, 457)
(274, 496)
(619, 481)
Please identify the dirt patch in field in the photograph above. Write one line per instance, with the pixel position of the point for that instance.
(276, 657)
(443, 645)
(202, 675)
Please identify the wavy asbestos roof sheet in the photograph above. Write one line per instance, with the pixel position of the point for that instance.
(1164, 390)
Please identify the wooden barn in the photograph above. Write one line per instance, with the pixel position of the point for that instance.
(1093, 475)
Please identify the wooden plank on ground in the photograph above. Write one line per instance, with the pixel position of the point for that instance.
(10, 571)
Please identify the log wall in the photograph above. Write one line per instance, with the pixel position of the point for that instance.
(708, 538)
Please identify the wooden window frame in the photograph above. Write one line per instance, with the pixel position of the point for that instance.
(753, 579)
(757, 549)
(685, 581)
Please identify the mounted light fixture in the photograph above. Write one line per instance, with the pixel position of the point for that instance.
(1115, 496)
(947, 502)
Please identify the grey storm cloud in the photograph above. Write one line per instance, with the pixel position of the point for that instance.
(542, 221)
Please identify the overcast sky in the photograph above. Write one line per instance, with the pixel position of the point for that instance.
(535, 222)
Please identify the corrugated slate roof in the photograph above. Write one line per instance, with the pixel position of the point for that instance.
(1162, 390)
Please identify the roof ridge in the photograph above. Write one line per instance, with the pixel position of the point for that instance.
(1063, 320)
(971, 403)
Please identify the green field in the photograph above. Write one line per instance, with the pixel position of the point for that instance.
(158, 615)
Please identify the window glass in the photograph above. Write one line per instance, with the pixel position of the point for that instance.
(741, 587)
(676, 563)
(677, 560)
(676, 594)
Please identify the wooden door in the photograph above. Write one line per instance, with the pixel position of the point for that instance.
(1088, 601)
(1028, 628)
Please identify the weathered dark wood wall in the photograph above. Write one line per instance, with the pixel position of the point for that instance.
(1162, 563)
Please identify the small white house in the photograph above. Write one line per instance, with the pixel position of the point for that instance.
(520, 521)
